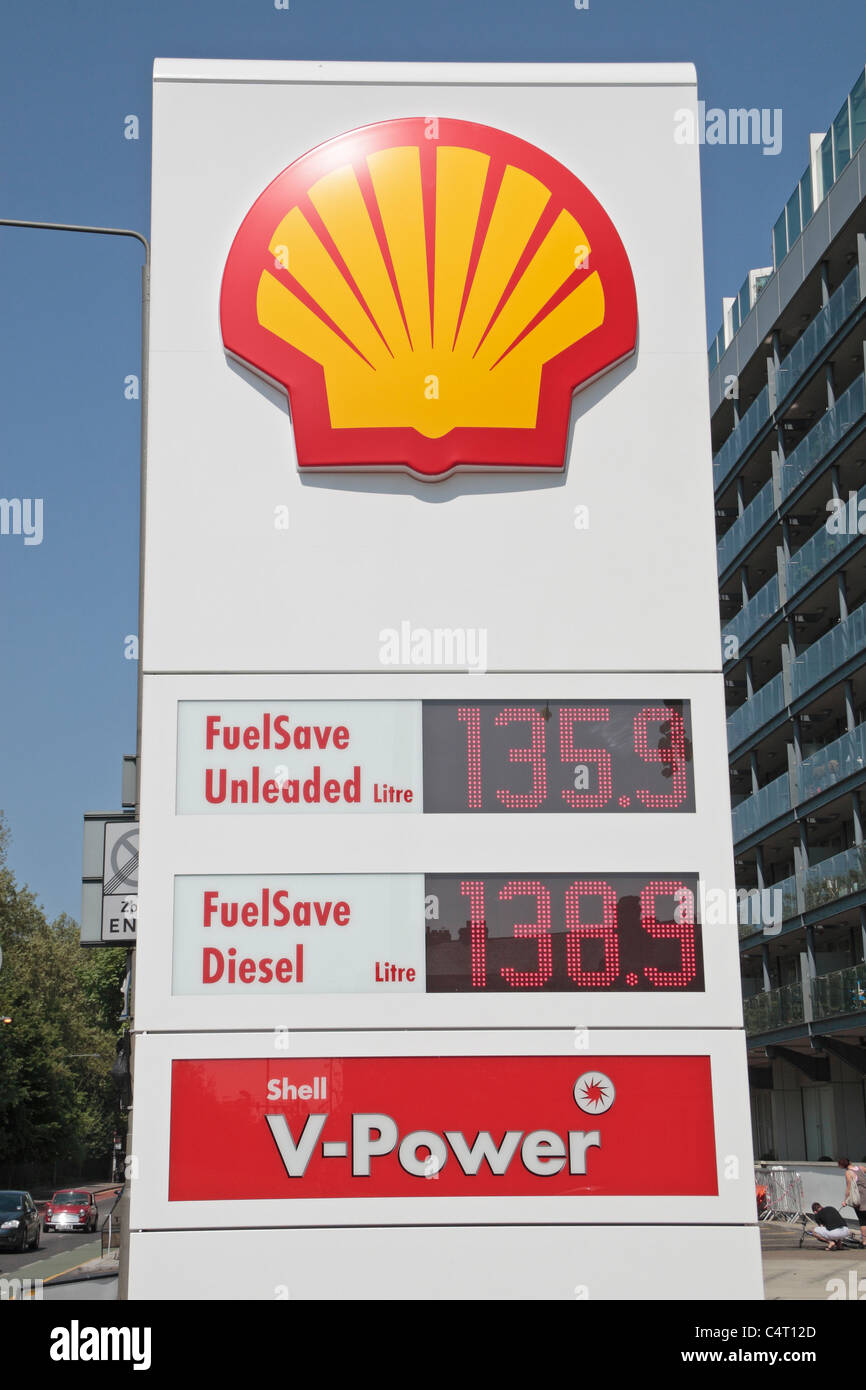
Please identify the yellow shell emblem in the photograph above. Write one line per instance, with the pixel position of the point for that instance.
(428, 302)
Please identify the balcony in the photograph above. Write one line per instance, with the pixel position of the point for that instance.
(818, 551)
(848, 410)
(830, 429)
(741, 436)
(762, 807)
(840, 992)
(755, 613)
(838, 646)
(774, 1008)
(825, 882)
(834, 878)
(763, 706)
(746, 526)
(823, 327)
(842, 758)
(820, 772)
(824, 658)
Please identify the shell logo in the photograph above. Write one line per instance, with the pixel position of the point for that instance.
(427, 303)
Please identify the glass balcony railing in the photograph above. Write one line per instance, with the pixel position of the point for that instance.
(742, 435)
(846, 640)
(765, 805)
(840, 759)
(835, 878)
(840, 992)
(826, 322)
(764, 704)
(790, 902)
(737, 536)
(759, 608)
(774, 1008)
(820, 772)
(766, 911)
(817, 552)
(850, 407)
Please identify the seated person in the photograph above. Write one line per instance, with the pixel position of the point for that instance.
(830, 1227)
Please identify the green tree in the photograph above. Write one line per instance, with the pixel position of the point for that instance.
(57, 1100)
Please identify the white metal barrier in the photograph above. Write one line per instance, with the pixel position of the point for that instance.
(785, 1198)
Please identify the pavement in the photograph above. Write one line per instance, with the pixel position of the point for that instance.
(91, 1276)
(812, 1274)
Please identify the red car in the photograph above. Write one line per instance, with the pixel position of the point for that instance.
(72, 1209)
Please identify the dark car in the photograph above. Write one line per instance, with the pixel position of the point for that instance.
(71, 1209)
(19, 1221)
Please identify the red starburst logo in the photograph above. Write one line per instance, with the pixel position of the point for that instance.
(594, 1093)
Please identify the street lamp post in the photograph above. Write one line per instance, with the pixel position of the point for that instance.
(145, 316)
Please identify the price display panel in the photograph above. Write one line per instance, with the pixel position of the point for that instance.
(519, 755)
(507, 932)
(475, 934)
(411, 756)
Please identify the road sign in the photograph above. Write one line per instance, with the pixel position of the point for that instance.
(120, 883)
(109, 888)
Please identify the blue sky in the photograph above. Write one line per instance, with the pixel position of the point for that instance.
(69, 306)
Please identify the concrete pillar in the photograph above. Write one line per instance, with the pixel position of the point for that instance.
(786, 537)
(834, 481)
(842, 595)
(857, 814)
(765, 965)
(849, 706)
(798, 745)
(801, 864)
(825, 283)
(810, 950)
(753, 767)
(808, 973)
(830, 382)
(759, 867)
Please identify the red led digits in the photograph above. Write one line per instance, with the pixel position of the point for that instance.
(628, 756)
(577, 931)
(531, 979)
(682, 929)
(590, 714)
(618, 932)
(471, 716)
(670, 751)
(534, 755)
(473, 889)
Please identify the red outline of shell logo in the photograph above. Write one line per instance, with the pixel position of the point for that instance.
(428, 304)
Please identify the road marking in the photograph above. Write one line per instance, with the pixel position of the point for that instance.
(61, 1272)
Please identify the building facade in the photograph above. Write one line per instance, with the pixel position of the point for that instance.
(788, 404)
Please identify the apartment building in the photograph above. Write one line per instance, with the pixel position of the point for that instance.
(788, 404)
